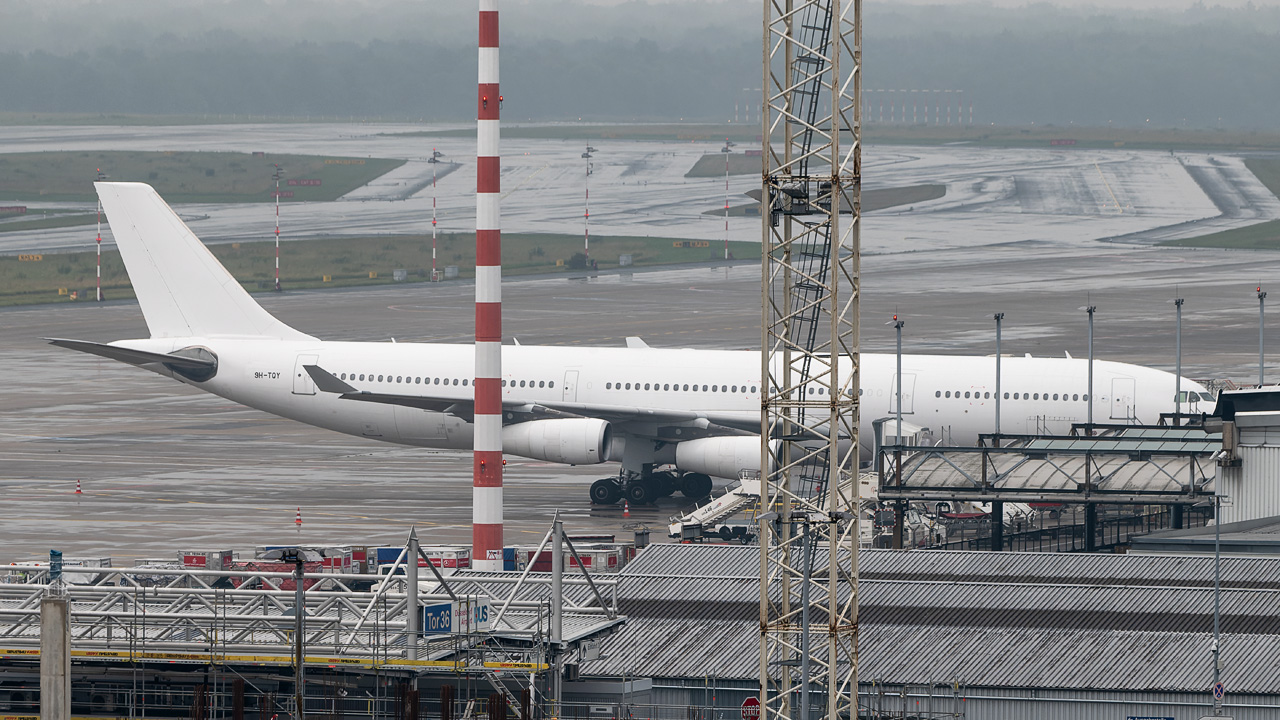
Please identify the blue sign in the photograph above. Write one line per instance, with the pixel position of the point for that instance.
(437, 619)
(1148, 717)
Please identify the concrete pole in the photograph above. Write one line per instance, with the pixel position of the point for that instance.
(557, 614)
(999, 318)
(412, 612)
(55, 657)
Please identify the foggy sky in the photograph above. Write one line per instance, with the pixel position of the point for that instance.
(1180, 63)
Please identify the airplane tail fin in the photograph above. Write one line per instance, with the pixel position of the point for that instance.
(183, 290)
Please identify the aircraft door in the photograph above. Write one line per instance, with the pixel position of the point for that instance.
(302, 382)
(908, 392)
(570, 393)
(1123, 394)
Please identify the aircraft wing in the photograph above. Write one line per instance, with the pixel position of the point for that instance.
(667, 425)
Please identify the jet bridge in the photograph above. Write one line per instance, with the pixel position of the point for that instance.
(1119, 465)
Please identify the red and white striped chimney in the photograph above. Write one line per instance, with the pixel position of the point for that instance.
(486, 512)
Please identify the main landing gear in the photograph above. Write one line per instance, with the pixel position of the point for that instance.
(642, 489)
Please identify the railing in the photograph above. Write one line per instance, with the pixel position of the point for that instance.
(1065, 531)
(148, 614)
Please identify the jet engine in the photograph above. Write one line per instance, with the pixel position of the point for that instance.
(573, 441)
(724, 457)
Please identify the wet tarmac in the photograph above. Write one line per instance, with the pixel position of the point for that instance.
(1024, 232)
(164, 467)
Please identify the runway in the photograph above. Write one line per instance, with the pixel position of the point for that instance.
(165, 468)
(1063, 196)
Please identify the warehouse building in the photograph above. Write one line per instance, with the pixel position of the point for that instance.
(979, 634)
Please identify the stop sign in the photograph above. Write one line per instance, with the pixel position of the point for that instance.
(751, 709)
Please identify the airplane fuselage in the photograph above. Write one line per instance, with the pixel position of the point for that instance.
(950, 395)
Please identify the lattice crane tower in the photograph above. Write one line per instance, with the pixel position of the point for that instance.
(810, 208)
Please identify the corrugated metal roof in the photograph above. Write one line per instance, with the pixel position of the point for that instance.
(736, 561)
(993, 619)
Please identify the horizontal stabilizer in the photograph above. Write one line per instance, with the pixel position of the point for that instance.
(134, 357)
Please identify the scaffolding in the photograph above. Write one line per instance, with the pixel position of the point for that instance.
(228, 624)
(810, 207)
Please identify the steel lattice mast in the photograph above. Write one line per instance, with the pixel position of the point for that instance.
(810, 286)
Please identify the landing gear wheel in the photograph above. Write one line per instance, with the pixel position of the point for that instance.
(605, 492)
(695, 486)
(642, 492)
(665, 483)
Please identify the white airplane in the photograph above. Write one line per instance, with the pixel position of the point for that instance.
(672, 418)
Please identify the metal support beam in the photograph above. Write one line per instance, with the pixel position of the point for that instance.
(1091, 527)
(557, 615)
(1179, 517)
(899, 522)
(997, 525)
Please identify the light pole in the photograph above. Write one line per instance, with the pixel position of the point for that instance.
(435, 159)
(1262, 301)
(897, 326)
(899, 509)
(1217, 600)
(999, 318)
(1177, 377)
(1090, 309)
(101, 177)
(586, 207)
(727, 152)
(278, 174)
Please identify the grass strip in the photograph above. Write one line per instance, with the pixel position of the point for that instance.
(344, 262)
(1261, 236)
(187, 177)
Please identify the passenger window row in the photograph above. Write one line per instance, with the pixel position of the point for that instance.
(976, 395)
(438, 381)
(668, 387)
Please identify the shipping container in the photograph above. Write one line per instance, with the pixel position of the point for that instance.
(206, 559)
(451, 557)
(337, 559)
(595, 558)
